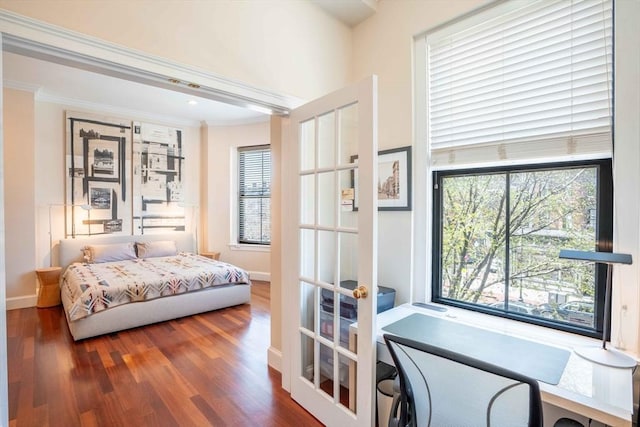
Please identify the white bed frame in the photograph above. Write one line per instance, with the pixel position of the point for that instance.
(146, 312)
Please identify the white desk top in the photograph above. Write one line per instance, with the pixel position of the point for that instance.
(599, 392)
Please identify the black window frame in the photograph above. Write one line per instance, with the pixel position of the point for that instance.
(604, 239)
(242, 195)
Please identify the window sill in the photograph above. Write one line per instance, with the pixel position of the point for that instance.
(249, 248)
(517, 328)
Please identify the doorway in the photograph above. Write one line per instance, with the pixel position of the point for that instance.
(89, 61)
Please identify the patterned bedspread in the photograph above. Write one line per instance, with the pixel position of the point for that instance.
(96, 287)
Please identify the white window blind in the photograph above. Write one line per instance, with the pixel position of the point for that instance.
(254, 202)
(521, 81)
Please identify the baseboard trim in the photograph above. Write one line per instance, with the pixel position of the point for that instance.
(26, 301)
(274, 358)
(260, 275)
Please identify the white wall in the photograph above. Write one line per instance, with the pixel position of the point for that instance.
(625, 307)
(221, 181)
(383, 45)
(291, 47)
(19, 195)
(275, 350)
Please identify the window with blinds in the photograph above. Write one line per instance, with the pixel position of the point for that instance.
(518, 124)
(254, 195)
(521, 81)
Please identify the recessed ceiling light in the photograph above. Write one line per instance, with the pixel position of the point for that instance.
(192, 102)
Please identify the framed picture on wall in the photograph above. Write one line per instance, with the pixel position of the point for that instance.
(159, 166)
(394, 180)
(98, 183)
(103, 160)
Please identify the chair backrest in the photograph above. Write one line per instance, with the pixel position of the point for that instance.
(441, 388)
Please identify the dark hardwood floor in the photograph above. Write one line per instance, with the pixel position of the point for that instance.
(207, 369)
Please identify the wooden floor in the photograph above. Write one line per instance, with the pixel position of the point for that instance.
(208, 369)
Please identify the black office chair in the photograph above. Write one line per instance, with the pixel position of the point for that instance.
(441, 388)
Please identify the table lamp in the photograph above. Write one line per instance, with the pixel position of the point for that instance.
(602, 354)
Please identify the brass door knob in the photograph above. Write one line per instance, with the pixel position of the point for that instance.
(360, 292)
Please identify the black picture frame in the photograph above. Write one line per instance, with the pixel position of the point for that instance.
(98, 175)
(394, 180)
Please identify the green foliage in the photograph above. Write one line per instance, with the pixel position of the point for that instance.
(504, 231)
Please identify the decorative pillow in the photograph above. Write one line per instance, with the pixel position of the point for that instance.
(156, 249)
(107, 253)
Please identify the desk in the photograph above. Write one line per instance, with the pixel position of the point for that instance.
(598, 392)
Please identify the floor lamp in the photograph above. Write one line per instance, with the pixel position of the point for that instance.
(51, 237)
(85, 207)
(195, 217)
(602, 354)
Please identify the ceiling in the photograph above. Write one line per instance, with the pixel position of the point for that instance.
(54, 82)
(351, 12)
(78, 88)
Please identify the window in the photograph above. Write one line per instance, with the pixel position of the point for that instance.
(517, 120)
(254, 195)
(499, 234)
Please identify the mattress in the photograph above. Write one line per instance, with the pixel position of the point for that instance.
(92, 288)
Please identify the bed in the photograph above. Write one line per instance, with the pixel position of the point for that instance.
(105, 287)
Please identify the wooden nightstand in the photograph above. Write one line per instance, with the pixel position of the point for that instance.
(212, 255)
(49, 294)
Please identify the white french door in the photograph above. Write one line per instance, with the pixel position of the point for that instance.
(330, 249)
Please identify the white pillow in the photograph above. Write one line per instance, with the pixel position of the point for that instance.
(156, 249)
(107, 253)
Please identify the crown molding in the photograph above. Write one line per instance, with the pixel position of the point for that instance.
(12, 84)
(238, 122)
(30, 37)
(115, 111)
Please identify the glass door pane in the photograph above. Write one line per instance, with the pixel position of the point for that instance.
(328, 244)
(334, 144)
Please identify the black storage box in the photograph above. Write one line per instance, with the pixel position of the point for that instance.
(349, 305)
